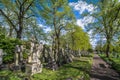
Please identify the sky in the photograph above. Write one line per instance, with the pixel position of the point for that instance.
(79, 8)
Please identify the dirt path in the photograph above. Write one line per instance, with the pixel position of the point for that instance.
(102, 71)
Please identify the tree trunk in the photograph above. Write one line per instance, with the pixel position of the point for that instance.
(19, 34)
(107, 48)
(58, 50)
(10, 32)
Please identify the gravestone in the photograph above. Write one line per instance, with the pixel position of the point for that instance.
(34, 64)
(17, 51)
(17, 56)
(21, 53)
(1, 56)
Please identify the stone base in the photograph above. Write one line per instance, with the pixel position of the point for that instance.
(16, 68)
(33, 68)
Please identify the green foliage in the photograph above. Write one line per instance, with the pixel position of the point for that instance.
(10, 13)
(8, 46)
(111, 47)
(25, 55)
(90, 50)
(117, 46)
(116, 63)
(76, 38)
(56, 9)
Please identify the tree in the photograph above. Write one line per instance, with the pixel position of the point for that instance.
(34, 29)
(107, 21)
(57, 14)
(19, 10)
(76, 38)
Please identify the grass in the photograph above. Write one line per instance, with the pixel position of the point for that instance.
(114, 62)
(9, 75)
(77, 70)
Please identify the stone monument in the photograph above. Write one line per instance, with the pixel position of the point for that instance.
(34, 64)
(17, 51)
(1, 56)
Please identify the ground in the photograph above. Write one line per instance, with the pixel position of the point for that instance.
(102, 71)
(79, 69)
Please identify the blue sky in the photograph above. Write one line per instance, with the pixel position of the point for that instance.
(80, 7)
(84, 6)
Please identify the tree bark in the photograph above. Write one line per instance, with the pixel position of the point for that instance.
(108, 48)
(10, 32)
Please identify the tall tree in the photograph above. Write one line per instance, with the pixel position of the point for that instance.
(77, 38)
(57, 14)
(18, 10)
(107, 21)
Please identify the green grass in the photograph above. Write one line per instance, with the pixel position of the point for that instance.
(9, 75)
(114, 62)
(79, 69)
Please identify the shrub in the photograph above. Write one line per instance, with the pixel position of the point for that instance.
(8, 46)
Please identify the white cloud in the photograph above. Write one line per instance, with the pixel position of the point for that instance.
(40, 25)
(79, 23)
(45, 28)
(81, 6)
(85, 21)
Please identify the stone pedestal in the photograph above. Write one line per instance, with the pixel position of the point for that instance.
(33, 68)
(28, 69)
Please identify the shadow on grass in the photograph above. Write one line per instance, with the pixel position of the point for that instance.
(78, 69)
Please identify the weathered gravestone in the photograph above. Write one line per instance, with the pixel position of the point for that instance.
(34, 64)
(1, 56)
(17, 51)
(18, 56)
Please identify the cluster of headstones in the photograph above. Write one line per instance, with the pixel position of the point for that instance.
(33, 64)
(64, 57)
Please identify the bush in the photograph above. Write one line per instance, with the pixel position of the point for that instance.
(8, 46)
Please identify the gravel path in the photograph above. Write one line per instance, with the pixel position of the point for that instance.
(102, 71)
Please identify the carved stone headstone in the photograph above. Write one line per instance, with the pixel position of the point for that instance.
(21, 53)
(17, 51)
(32, 44)
(1, 56)
(35, 65)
